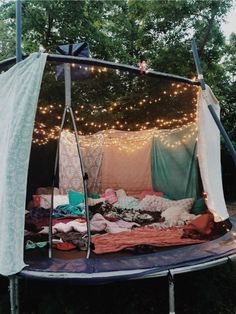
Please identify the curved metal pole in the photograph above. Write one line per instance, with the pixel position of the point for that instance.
(198, 64)
(85, 185)
(18, 30)
(210, 107)
(68, 109)
(223, 133)
(53, 185)
(67, 73)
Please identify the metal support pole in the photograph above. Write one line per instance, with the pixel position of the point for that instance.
(198, 65)
(13, 291)
(18, 30)
(16, 283)
(85, 181)
(223, 133)
(53, 185)
(210, 107)
(171, 293)
(68, 109)
(67, 72)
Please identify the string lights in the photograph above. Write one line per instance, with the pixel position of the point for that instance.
(134, 140)
(93, 118)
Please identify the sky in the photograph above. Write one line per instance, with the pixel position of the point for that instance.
(230, 25)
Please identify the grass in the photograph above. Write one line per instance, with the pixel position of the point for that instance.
(210, 291)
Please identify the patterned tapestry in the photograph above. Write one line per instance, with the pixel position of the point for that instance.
(70, 177)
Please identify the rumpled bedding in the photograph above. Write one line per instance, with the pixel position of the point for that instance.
(97, 224)
(154, 212)
(157, 203)
(108, 243)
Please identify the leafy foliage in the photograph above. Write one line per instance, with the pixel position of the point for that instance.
(122, 31)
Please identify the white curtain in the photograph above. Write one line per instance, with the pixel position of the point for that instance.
(209, 154)
(19, 92)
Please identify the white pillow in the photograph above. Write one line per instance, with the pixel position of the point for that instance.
(185, 204)
(45, 200)
(176, 216)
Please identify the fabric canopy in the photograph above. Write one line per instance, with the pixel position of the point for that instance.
(19, 94)
(174, 163)
(70, 177)
(126, 162)
(209, 155)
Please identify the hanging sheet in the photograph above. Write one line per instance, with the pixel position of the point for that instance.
(69, 163)
(126, 161)
(173, 160)
(19, 92)
(70, 177)
(209, 154)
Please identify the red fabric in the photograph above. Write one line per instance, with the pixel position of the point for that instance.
(203, 224)
(64, 246)
(108, 243)
(36, 200)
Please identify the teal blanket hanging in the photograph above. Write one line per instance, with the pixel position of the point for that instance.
(174, 162)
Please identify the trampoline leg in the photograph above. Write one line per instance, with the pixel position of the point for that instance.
(13, 290)
(171, 294)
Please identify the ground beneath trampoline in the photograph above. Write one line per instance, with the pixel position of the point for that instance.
(232, 209)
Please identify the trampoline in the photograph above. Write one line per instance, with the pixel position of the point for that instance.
(100, 270)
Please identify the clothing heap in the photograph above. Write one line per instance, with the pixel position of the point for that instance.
(144, 218)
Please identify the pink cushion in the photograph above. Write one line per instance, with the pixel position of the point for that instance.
(110, 196)
(149, 192)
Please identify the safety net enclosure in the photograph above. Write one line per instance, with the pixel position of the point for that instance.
(149, 149)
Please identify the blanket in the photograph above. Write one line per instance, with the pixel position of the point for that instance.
(108, 243)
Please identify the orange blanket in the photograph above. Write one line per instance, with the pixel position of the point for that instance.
(108, 243)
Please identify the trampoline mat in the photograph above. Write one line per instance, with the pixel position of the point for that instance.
(127, 266)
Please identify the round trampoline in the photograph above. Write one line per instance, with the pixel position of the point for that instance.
(105, 100)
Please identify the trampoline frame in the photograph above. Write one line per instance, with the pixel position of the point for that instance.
(137, 274)
(13, 280)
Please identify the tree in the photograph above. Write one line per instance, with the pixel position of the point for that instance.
(121, 30)
(229, 108)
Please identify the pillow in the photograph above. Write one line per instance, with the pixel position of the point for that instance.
(110, 196)
(127, 202)
(186, 204)
(120, 193)
(44, 200)
(199, 207)
(176, 216)
(75, 198)
(149, 192)
(156, 203)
